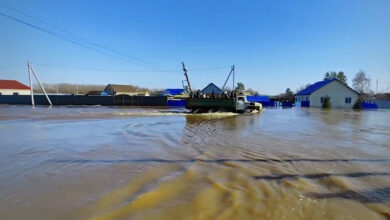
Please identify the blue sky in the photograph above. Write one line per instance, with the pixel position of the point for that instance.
(273, 44)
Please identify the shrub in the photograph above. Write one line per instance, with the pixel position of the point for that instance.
(358, 104)
(326, 104)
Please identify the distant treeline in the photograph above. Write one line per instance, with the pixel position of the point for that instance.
(68, 88)
(383, 96)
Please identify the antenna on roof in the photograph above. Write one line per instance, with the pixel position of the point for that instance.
(31, 71)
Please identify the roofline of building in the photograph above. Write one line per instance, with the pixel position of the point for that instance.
(20, 84)
(15, 89)
(211, 84)
(327, 84)
(349, 87)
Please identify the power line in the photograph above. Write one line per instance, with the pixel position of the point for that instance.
(41, 21)
(140, 71)
(102, 70)
(75, 39)
(56, 35)
(83, 42)
(211, 68)
(12, 66)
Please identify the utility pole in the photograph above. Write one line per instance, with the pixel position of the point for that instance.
(230, 73)
(376, 89)
(233, 76)
(31, 70)
(186, 75)
(31, 85)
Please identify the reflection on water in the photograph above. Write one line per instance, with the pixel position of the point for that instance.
(137, 163)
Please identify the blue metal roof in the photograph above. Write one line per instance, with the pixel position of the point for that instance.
(257, 98)
(309, 90)
(173, 91)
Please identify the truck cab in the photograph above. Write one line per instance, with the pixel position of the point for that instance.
(241, 102)
(242, 105)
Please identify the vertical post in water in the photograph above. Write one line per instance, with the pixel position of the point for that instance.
(40, 84)
(233, 76)
(31, 85)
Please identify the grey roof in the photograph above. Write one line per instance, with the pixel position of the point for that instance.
(210, 88)
(121, 88)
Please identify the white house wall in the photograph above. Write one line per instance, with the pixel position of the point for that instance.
(337, 93)
(11, 91)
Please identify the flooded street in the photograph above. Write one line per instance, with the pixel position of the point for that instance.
(147, 163)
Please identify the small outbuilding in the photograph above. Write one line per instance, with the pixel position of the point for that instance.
(115, 89)
(13, 87)
(339, 94)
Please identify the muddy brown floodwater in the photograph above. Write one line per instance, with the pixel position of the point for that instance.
(144, 163)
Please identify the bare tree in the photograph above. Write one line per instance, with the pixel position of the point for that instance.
(250, 91)
(156, 91)
(240, 86)
(288, 95)
(361, 82)
(68, 88)
(303, 87)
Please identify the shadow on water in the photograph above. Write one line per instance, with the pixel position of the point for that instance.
(320, 175)
(385, 160)
(228, 121)
(375, 196)
(381, 195)
(337, 116)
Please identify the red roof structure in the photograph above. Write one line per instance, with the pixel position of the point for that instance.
(12, 84)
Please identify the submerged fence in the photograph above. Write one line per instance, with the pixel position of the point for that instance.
(122, 100)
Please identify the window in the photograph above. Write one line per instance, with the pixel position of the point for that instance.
(348, 100)
(0, 93)
(322, 99)
(15, 93)
(307, 98)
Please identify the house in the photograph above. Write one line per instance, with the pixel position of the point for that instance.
(175, 93)
(13, 87)
(115, 89)
(339, 94)
(142, 92)
(210, 88)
